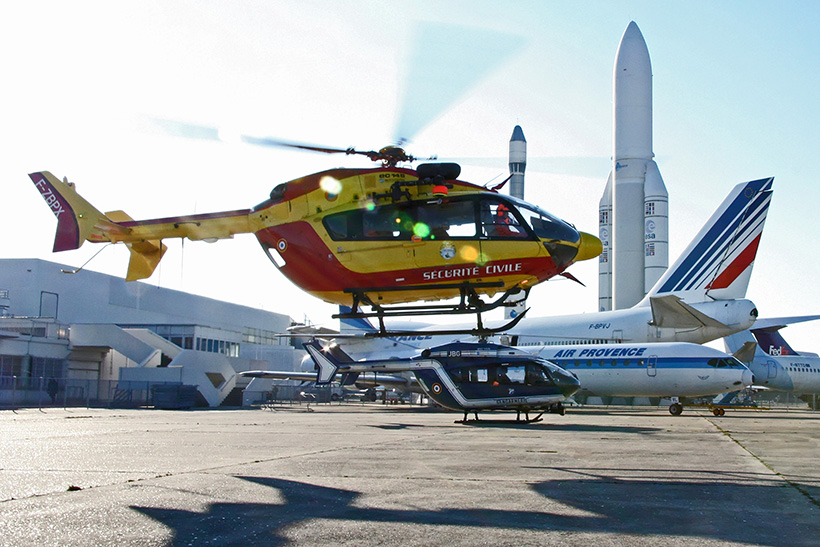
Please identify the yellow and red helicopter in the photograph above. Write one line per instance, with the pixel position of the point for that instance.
(368, 236)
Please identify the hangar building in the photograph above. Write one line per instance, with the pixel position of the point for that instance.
(93, 338)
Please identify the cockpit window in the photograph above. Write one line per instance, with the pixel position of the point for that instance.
(545, 225)
(425, 220)
(521, 373)
(499, 221)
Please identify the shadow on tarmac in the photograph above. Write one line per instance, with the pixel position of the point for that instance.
(540, 426)
(723, 510)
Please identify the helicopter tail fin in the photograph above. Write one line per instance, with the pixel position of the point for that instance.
(78, 221)
(329, 360)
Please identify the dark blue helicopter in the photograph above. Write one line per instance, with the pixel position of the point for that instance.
(466, 376)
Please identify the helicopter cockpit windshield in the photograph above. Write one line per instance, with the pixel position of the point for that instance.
(545, 225)
(452, 218)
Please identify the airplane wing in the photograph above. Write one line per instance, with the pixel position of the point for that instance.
(670, 311)
(280, 375)
(780, 322)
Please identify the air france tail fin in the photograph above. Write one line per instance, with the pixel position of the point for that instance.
(717, 264)
(78, 221)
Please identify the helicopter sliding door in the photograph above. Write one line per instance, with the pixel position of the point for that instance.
(446, 239)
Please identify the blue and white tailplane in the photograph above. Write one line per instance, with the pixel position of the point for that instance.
(717, 264)
(354, 326)
(328, 360)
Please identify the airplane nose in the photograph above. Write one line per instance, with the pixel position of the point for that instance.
(589, 247)
(748, 378)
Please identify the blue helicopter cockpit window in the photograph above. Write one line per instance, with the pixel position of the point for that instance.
(520, 373)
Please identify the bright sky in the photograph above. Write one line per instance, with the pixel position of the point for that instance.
(735, 99)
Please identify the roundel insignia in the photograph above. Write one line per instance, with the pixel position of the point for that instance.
(436, 388)
(448, 251)
(282, 245)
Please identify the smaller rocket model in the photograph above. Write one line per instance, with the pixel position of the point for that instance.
(634, 210)
(518, 164)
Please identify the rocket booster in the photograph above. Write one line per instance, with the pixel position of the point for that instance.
(638, 224)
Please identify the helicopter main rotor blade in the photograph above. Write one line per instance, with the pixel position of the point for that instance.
(204, 132)
(446, 61)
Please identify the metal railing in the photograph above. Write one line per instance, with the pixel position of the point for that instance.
(23, 392)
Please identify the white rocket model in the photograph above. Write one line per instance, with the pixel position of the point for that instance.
(518, 164)
(634, 210)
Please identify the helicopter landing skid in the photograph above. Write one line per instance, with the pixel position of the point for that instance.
(518, 420)
(470, 302)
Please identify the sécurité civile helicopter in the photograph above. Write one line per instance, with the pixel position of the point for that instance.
(381, 237)
(464, 376)
(368, 236)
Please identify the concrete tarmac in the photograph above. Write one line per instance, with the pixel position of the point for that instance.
(355, 474)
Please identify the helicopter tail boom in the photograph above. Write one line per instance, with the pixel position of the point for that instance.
(78, 221)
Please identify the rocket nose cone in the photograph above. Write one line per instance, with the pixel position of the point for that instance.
(589, 247)
(632, 32)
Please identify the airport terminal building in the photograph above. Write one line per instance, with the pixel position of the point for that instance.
(93, 338)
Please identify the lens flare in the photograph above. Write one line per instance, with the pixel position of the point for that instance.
(421, 229)
(468, 253)
(330, 185)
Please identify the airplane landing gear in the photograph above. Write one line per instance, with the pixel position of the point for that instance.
(675, 409)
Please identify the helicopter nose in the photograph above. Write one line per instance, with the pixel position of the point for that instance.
(566, 382)
(589, 247)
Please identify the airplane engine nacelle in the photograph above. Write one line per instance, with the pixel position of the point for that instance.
(737, 314)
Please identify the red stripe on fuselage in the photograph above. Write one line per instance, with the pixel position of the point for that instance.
(313, 267)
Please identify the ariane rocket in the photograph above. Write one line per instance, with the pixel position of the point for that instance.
(634, 212)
